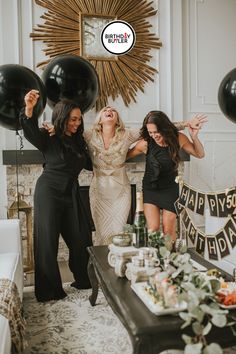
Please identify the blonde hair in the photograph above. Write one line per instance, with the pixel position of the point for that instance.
(120, 127)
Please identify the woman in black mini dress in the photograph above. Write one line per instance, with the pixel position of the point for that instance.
(58, 205)
(161, 142)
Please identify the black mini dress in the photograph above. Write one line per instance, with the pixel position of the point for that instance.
(159, 185)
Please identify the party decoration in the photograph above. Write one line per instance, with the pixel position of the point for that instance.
(15, 82)
(72, 77)
(75, 27)
(221, 204)
(227, 95)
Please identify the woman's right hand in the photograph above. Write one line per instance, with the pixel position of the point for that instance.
(31, 99)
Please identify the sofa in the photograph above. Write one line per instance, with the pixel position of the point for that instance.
(11, 270)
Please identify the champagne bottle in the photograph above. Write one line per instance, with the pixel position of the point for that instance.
(139, 223)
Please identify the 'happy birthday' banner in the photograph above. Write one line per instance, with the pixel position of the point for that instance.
(221, 204)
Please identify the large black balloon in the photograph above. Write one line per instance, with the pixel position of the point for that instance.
(15, 81)
(72, 77)
(227, 95)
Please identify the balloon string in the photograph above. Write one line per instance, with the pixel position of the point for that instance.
(21, 140)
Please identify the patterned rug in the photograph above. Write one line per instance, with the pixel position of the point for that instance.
(73, 326)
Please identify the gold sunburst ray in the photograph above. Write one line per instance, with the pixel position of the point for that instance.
(123, 75)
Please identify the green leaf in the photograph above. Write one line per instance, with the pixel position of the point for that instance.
(187, 268)
(213, 348)
(219, 320)
(164, 252)
(215, 285)
(197, 328)
(193, 348)
(193, 300)
(185, 316)
(207, 329)
(186, 324)
(198, 314)
(187, 339)
(188, 286)
(207, 309)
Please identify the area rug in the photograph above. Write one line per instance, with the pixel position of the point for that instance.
(73, 326)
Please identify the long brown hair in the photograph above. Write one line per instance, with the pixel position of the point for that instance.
(60, 117)
(168, 131)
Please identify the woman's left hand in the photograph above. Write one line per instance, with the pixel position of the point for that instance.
(197, 121)
(49, 127)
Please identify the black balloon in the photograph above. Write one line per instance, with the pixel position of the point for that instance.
(15, 81)
(72, 77)
(227, 95)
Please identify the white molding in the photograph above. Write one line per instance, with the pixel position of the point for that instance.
(176, 10)
(32, 45)
(198, 94)
(1, 37)
(18, 34)
(165, 81)
(214, 164)
(199, 46)
(221, 132)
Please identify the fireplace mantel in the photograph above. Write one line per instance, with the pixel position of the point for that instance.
(22, 157)
(35, 157)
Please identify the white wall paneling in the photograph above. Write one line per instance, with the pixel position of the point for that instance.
(211, 49)
(10, 45)
(217, 170)
(165, 90)
(209, 52)
(176, 68)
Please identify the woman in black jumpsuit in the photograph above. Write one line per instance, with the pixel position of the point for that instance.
(58, 207)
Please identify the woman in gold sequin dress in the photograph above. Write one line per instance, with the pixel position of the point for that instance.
(110, 195)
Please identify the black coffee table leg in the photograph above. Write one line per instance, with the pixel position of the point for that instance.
(94, 283)
(143, 345)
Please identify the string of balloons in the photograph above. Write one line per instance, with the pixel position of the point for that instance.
(66, 76)
(72, 77)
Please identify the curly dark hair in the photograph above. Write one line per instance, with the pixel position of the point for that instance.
(60, 116)
(168, 131)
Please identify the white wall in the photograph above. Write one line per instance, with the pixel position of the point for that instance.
(209, 52)
(209, 48)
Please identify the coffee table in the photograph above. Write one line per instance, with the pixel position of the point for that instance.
(149, 334)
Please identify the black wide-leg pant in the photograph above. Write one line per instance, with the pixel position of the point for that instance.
(58, 212)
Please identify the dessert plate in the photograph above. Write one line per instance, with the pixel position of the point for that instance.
(156, 308)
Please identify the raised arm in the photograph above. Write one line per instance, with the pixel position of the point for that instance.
(139, 148)
(195, 123)
(194, 147)
(29, 123)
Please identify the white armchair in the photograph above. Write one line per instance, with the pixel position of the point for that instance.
(11, 268)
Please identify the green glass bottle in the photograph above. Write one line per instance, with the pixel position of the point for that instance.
(139, 223)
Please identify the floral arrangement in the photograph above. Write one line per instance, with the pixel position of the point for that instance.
(177, 281)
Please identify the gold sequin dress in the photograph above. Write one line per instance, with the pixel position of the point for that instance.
(110, 194)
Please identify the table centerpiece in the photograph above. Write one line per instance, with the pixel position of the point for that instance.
(176, 282)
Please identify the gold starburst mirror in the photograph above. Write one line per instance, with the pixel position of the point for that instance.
(75, 26)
